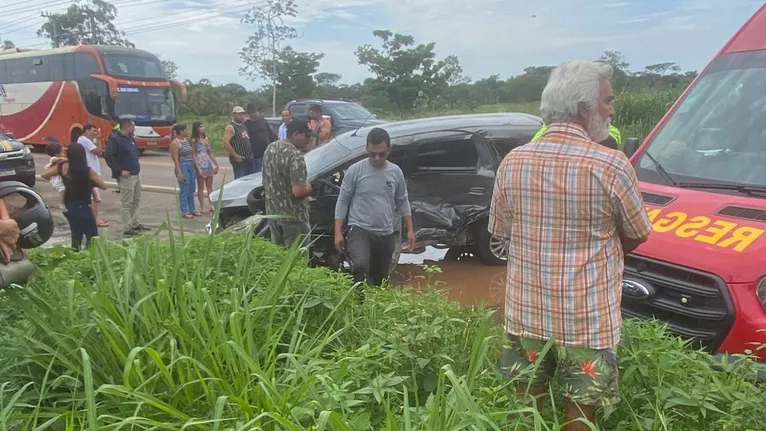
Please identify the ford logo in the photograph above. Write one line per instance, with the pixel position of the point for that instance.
(635, 289)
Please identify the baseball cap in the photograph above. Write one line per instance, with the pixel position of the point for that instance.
(238, 110)
(300, 127)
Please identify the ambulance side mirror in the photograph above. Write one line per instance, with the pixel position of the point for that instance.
(631, 146)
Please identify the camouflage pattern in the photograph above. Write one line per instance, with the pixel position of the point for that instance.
(283, 166)
(585, 376)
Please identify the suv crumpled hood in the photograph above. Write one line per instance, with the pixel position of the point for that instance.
(691, 231)
(234, 193)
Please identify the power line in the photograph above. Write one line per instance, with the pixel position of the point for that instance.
(169, 24)
(144, 24)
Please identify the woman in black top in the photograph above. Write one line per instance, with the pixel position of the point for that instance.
(79, 180)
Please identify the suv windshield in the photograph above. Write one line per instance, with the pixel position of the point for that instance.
(145, 103)
(350, 111)
(717, 134)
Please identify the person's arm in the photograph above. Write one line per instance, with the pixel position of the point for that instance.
(500, 214)
(9, 232)
(633, 224)
(174, 147)
(325, 131)
(272, 136)
(97, 180)
(50, 172)
(193, 145)
(228, 133)
(343, 204)
(98, 147)
(403, 207)
(301, 189)
(110, 154)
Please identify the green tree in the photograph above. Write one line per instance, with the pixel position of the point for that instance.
(84, 22)
(7, 44)
(261, 51)
(171, 68)
(295, 73)
(405, 71)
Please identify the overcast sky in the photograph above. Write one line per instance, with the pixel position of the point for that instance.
(489, 37)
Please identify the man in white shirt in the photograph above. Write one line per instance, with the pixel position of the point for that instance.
(91, 141)
(287, 117)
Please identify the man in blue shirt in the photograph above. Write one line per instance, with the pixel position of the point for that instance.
(372, 194)
(122, 157)
(287, 117)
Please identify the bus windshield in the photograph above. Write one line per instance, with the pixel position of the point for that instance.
(145, 103)
(133, 66)
(717, 134)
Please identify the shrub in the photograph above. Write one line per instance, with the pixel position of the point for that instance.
(230, 332)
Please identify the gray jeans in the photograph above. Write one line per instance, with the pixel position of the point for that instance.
(285, 232)
(370, 255)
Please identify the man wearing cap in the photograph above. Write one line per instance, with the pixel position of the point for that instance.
(237, 143)
(260, 133)
(285, 186)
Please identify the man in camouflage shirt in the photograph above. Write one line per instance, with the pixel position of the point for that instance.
(285, 186)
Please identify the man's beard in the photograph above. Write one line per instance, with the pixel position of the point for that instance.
(598, 127)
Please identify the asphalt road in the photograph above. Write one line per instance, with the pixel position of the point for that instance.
(156, 170)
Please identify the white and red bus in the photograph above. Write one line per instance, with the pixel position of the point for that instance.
(45, 95)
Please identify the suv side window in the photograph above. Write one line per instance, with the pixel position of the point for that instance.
(439, 156)
(299, 110)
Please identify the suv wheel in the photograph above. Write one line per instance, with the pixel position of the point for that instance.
(492, 250)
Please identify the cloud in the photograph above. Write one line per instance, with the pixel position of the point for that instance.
(500, 37)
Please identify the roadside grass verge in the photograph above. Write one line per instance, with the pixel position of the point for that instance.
(230, 332)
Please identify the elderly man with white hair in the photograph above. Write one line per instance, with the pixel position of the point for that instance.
(570, 209)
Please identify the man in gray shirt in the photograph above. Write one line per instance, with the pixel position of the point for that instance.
(372, 194)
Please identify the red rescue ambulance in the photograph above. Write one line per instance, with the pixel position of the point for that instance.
(703, 176)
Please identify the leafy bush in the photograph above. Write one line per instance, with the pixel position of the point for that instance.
(230, 332)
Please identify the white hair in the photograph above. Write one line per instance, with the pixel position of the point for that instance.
(569, 85)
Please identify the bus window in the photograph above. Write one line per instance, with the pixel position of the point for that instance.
(133, 66)
(94, 94)
(85, 65)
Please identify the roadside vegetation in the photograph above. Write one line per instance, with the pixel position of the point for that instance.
(636, 114)
(230, 332)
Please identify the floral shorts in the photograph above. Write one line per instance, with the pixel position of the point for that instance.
(585, 376)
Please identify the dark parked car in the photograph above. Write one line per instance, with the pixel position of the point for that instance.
(345, 115)
(449, 164)
(16, 161)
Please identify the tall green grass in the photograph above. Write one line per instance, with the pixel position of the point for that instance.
(230, 332)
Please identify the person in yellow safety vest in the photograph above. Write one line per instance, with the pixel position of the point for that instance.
(613, 141)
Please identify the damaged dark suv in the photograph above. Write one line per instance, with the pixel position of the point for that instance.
(449, 164)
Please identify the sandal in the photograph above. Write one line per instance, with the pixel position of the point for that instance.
(188, 216)
(197, 214)
(103, 223)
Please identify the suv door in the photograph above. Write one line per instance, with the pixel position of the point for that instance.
(450, 184)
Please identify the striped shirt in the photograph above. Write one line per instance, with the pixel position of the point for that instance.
(241, 141)
(563, 202)
(185, 153)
